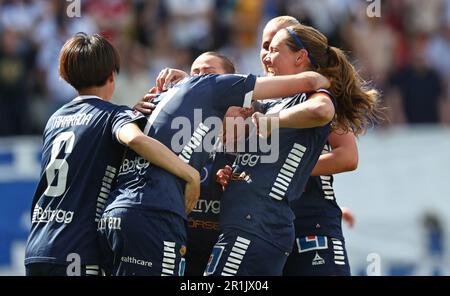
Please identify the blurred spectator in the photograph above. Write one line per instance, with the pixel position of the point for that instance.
(424, 16)
(373, 43)
(20, 15)
(416, 89)
(16, 67)
(164, 55)
(438, 54)
(153, 34)
(433, 262)
(433, 226)
(326, 15)
(133, 81)
(150, 17)
(54, 29)
(113, 17)
(245, 27)
(190, 23)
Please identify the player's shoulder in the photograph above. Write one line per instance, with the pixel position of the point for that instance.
(110, 108)
(228, 76)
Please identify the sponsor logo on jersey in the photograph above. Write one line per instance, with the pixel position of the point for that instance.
(247, 159)
(132, 260)
(47, 215)
(112, 223)
(207, 206)
(203, 224)
(138, 165)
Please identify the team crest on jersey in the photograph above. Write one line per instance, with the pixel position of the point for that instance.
(312, 242)
(183, 250)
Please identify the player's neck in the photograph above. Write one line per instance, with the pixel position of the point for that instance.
(101, 92)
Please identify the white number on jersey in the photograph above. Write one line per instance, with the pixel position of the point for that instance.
(59, 165)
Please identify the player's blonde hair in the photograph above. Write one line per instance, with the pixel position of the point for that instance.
(284, 20)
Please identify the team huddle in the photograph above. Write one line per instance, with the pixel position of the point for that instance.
(168, 189)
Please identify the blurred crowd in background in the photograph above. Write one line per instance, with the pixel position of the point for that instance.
(405, 52)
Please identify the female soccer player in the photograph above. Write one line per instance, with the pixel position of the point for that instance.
(84, 143)
(256, 220)
(151, 239)
(323, 211)
(318, 217)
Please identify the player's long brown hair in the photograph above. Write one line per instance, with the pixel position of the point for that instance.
(357, 103)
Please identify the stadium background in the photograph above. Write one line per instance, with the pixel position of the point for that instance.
(398, 193)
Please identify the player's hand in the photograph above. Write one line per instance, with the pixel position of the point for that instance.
(223, 176)
(265, 123)
(144, 105)
(323, 82)
(192, 191)
(348, 217)
(169, 76)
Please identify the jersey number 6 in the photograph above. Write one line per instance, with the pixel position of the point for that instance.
(59, 166)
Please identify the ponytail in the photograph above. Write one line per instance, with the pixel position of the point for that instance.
(357, 103)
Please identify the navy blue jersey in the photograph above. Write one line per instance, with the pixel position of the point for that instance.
(80, 159)
(187, 119)
(257, 199)
(317, 212)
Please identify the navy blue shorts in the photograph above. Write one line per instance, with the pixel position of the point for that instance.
(317, 256)
(242, 254)
(142, 242)
(196, 261)
(199, 245)
(50, 269)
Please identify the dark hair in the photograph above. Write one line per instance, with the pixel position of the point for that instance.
(357, 103)
(87, 61)
(227, 64)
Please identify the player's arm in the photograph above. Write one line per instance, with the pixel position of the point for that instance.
(317, 111)
(288, 85)
(342, 158)
(159, 155)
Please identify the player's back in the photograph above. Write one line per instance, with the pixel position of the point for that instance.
(187, 120)
(80, 159)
